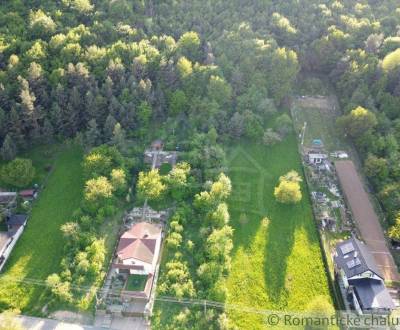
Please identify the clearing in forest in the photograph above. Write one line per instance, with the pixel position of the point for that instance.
(276, 261)
(320, 114)
(39, 250)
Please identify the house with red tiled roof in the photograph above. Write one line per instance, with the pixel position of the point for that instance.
(138, 249)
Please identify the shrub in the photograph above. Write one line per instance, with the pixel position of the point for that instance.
(18, 173)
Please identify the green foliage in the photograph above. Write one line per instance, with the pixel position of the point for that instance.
(178, 102)
(277, 263)
(391, 61)
(288, 192)
(41, 24)
(98, 189)
(270, 137)
(101, 160)
(185, 67)
(177, 280)
(283, 124)
(394, 231)
(376, 168)
(357, 122)
(8, 149)
(18, 173)
(60, 289)
(118, 179)
(189, 44)
(150, 185)
(57, 202)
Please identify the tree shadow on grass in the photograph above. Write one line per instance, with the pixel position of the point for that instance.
(280, 241)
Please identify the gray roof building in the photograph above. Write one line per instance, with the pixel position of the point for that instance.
(362, 277)
(354, 258)
(372, 294)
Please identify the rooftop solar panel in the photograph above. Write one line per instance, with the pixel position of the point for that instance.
(353, 263)
(347, 248)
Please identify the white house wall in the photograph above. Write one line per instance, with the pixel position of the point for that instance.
(367, 274)
(7, 251)
(148, 268)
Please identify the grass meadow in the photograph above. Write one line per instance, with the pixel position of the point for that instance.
(39, 250)
(276, 261)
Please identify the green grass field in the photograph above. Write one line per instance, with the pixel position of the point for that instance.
(320, 125)
(276, 263)
(39, 250)
(136, 282)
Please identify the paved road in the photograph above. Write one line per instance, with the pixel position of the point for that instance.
(121, 323)
(36, 323)
(366, 218)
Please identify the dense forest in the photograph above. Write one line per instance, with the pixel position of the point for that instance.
(199, 74)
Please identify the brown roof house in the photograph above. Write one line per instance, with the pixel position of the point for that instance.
(137, 256)
(157, 145)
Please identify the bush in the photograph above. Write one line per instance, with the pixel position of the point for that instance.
(288, 191)
(18, 173)
(271, 138)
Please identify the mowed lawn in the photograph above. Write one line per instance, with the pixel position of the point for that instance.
(276, 261)
(39, 250)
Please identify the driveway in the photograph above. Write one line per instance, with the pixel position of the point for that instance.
(36, 323)
(366, 218)
(117, 323)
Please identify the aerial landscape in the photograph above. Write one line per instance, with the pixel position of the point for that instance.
(199, 164)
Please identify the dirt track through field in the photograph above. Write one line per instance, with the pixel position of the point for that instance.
(366, 219)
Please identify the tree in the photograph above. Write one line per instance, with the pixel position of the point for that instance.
(271, 138)
(98, 188)
(120, 9)
(9, 149)
(150, 185)
(40, 24)
(176, 280)
(291, 176)
(283, 125)
(178, 102)
(177, 180)
(357, 122)
(71, 231)
(394, 231)
(236, 125)
(218, 192)
(391, 61)
(92, 135)
(101, 160)
(82, 6)
(96, 252)
(189, 44)
(8, 321)
(288, 190)
(118, 179)
(376, 169)
(62, 290)
(118, 139)
(18, 173)
(219, 246)
(221, 189)
(219, 90)
(47, 131)
(220, 216)
(109, 126)
(185, 68)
